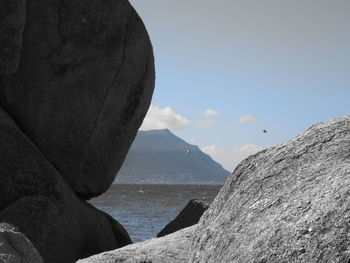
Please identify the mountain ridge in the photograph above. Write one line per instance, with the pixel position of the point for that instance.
(161, 157)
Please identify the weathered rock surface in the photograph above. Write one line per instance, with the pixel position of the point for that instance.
(40, 204)
(15, 247)
(289, 203)
(82, 86)
(76, 80)
(170, 248)
(189, 216)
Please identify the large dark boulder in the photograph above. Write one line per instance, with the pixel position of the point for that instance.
(189, 216)
(12, 20)
(289, 203)
(36, 200)
(83, 84)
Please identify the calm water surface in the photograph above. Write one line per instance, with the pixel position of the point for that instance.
(145, 209)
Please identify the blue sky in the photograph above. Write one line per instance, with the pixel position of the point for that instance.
(283, 63)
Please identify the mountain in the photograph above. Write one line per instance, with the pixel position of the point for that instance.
(160, 157)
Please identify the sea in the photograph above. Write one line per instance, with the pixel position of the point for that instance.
(145, 209)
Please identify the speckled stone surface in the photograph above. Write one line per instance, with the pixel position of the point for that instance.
(288, 203)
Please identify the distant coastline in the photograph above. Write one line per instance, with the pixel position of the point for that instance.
(160, 157)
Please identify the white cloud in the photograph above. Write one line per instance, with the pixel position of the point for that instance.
(206, 123)
(230, 158)
(248, 119)
(166, 118)
(210, 112)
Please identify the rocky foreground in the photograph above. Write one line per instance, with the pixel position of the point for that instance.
(167, 249)
(76, 80)
(288, 203)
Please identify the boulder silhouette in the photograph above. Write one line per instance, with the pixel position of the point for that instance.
(188, 216)
(76, 80)
(83, 84)
(41, 205)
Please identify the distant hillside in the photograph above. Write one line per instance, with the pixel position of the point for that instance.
(160, 157)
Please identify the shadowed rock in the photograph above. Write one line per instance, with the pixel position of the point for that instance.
(41, 205)
(82, 86)
(76, 80)
(12, 20)
(289, 203)
(189, 216)
(15, 247)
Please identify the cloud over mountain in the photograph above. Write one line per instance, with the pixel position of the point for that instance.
(163, 118)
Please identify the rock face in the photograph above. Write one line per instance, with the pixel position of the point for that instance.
(12, 20)
(78, 82)
(289, 203)
(189, 216)
(41, 205)
(171, 248)
(15, 247)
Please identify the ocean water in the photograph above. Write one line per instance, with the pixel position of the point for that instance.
(145, 209)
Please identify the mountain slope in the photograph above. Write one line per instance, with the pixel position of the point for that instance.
(158, 156)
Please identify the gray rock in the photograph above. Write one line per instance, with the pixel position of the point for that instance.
(289, 203)
(15, 247)
(83, 84)
(189, 216)
(170, 248)
(40, 204)
(12, 20)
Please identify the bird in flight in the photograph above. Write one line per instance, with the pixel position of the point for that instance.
(264, 131)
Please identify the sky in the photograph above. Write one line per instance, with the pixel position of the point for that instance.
(227, 69)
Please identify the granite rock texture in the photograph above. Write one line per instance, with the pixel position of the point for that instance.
(288, 203)
(167, 249)
(36, 200)
(15, 247)
(189, 216)
(82, 86)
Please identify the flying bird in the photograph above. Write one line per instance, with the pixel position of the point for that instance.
(264, 131)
